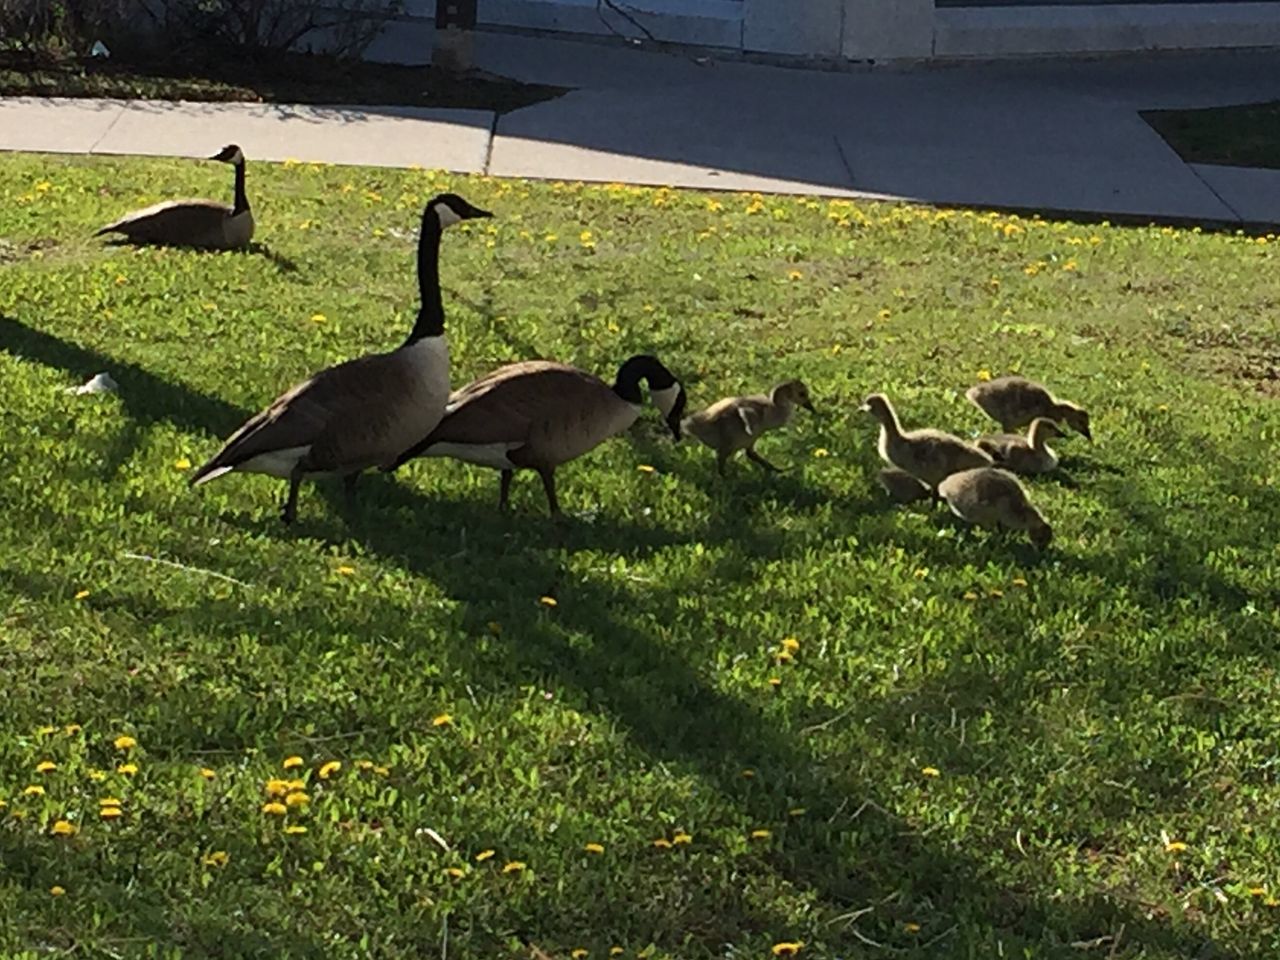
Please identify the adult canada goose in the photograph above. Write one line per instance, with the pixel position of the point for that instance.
(902, 487)
(994, 498)
(364, 412)
(1014, 402)
(539, 414)
(736, 423)
(1024, 454)
(193, 223)
(928, 455)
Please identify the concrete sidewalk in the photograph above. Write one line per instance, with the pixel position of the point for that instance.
(1054, 135)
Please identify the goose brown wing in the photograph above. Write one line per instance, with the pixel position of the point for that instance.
(175, 221)
(351, 394)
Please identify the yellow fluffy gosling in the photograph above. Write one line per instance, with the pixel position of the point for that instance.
(1028, 454)
(928, 455)
(993, 498)
(736, 423)
(1014, 402)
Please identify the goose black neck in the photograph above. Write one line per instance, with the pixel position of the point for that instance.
(430, 322)
(242, 198)
(641, 367)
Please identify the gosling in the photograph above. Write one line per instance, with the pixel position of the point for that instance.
(902, 487)
(1028, 454)
(736, 423)
(993, 498)
(1014, 402)
(928, 455)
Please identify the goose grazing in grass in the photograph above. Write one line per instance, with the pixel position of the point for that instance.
(539, 414)
(1014, 402)
(736, 423)
(1028, 454)
(902, 487)
(994, 498)
(364, 412)
(193, 223)
(928, 455)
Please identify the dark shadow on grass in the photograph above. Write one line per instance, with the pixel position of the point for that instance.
(666, 702)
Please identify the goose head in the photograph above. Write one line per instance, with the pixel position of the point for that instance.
(879, 407)
(1077, 418)
(1044, 429)
(1041, 534)
(449, 208)
(231, 154)
(793, 393)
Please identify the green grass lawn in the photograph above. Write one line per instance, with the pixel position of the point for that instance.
(976, 751)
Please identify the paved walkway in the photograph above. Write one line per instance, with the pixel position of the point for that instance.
(1054, 135)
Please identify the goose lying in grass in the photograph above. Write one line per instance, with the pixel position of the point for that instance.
(1014, 402)
(928, 455)
(538, 415)
(1028, 454)
(193, 223)
(994, 498)
(362, 413)
(736, 423)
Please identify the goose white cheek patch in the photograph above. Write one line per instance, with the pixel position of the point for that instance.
(446, 215)
(665, 399)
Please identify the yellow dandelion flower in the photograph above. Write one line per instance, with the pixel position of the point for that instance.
(57, 891)
(647, 308)
(984, 375)
(275, 808)
(382, 771)
(318, 318)
(515, 866)
(276, 788)
(291, 762)
(714, 206)
(761, 834)
(293, 785)
(662, 843)
(1175, 846)
(682, 838)
(1019, 582)
(1069, 266)
(62, 828)
(910, 927)
(46, 731)
(298, 799)
(788, 948)
(884, 313)
(821, 452)
(794, 275)
(46, 766)
(1271, 902)
(110, 813)
(484, 855)
(121, 280)
(218, 858)
(783, 656)
(548, 601)
(585, 236)
(790, 644)
(930, 771)
(748, 773)
(110, 802)
(35, 790)
(920, 573)
(797, 812)
(456, 872)
(1095, 240)
(579, 953)
(207, 773)
(71, 729)
(125, 742)
(345, 570)
(127, 769)
(647, 468)
(329, 769)
(550, 238)
(995, 593)
(43, 186)
(970, 595)
(616, 951)
(182, 463)
(775, 681)
(1257, 891)
(81, 594)
(294, 829)
(97, 776)
(364, 764)
(442, 720)
(596, 848)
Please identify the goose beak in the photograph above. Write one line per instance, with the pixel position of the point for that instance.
(478, 214)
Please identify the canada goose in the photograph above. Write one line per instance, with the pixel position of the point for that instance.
(1029, 454)
(1014, 402)
(539, 414)
(364, 412)
(902, 487)
(928, 455)
(994, 498)
(193, 223)
(736, 423)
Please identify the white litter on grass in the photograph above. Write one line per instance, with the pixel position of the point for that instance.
(99, 49)
(98, 383)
